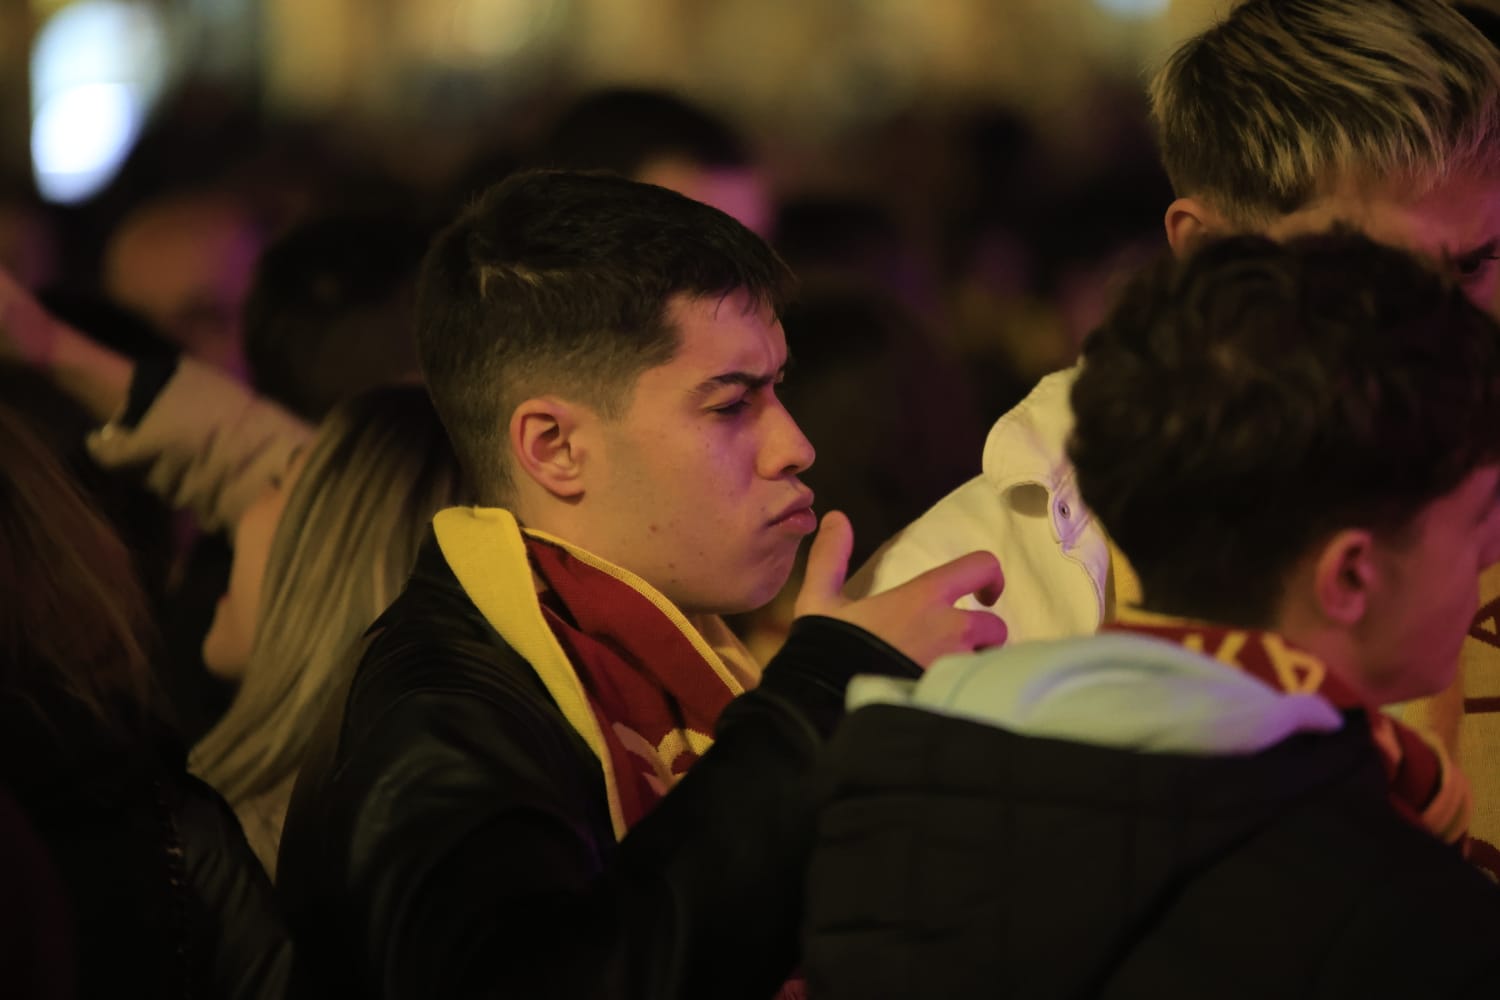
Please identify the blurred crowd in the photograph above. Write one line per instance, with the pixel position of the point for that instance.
(950, 279)
(221, 463)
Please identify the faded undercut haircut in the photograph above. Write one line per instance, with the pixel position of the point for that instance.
(558, 282)
(1242, 405)
(1285, 100)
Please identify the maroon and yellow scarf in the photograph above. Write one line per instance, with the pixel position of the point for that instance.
(1425, 786)
(649, 686)
(640, 683)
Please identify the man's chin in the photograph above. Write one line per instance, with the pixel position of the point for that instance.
(753, 600)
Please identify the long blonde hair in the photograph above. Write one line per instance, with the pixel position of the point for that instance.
(378, 470)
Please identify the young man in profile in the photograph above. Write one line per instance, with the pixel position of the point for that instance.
(1296, 447)
(556, 773)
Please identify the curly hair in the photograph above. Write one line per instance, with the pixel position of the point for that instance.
(1244, 403)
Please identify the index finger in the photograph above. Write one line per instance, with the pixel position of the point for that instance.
(977, 573)
(828, 560)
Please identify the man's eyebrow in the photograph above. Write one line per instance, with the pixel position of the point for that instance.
(747, 379)
(1477, 254)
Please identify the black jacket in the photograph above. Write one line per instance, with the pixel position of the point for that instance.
(451, 837)
(959, 860)
(162, 895)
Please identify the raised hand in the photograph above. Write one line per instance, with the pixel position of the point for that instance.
(918, 617)
(95, 375)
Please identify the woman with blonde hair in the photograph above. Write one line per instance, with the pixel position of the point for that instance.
(317, 557)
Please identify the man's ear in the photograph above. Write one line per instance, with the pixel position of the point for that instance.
(1189, 222)
(546, 445)
(1345, 577)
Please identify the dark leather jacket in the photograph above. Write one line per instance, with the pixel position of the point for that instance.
(450, 835)
(163, 896)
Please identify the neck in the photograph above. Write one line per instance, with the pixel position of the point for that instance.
(546, 514)
(1337, 652)
(1337, 646)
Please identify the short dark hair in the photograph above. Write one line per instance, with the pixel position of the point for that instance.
(329, 314)
(1241, 405)
(624, 129)
(560, 282)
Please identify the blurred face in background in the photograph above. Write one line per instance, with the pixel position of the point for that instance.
(739, 192)
(185, 263)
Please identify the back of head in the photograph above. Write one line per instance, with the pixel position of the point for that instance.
(378, 470)
(1286, 100)
(1243, 404)
(660, 138)
(626, 130)
(73, 620)
(558, 282)
(330, 311)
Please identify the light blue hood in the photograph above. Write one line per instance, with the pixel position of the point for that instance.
(1114, 689)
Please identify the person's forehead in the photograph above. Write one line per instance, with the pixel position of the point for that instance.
(723, 334)
(1453, 218)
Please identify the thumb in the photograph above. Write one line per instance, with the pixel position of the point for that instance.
(827, 565)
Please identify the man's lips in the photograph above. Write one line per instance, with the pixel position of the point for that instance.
(797, 516)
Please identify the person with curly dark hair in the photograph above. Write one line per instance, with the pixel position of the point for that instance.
(1296, 447)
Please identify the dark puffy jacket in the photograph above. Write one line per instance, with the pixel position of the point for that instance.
(451, 836)
(163, 895)
(959, 860)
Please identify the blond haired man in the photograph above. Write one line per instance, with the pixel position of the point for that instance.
(1287, 117)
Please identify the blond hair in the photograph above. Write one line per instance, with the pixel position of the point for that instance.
(378, 470)
(1286, 100)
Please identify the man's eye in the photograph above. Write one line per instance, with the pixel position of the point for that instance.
(738, 406)
(1471, 266)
